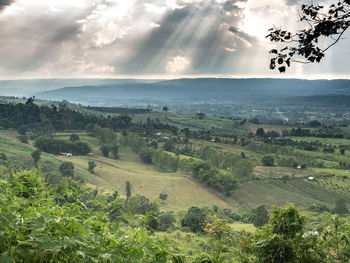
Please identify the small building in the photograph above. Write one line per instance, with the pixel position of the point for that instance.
(311, 178)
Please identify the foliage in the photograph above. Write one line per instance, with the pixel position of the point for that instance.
(91, 166)
(44, 119)
(218, 231)
(139, 204)
(35, 229)
(115, 151)
(74, 137)
(128, 188)
(67, 169)
(340, 207)
(163, 196)
(336, 237)
(104, 150)
(23, 138)
(284, 239)
(105, 135)
(260, 132)
(57, 146)
(267, 160)
(322, 22)
(146, 155)
(166, 221)
(194, 219)
(36, 156)
(261, 216)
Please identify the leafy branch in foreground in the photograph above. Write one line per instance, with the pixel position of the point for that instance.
(329, 22)
(34, 228)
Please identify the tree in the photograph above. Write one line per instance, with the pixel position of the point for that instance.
(166, 221)
(127, 192)
(340, 207)
(165, 109)
(308, 45)
(342, 151)
(104, 150)
(36, 156)
(23, 138)
(163, 196)
(115, 151)
(267, 160)
(194, 219)
(146, 155)
(67, 169)
(139, 204)
(260, 132)
(74, 137)
(23, 130)
(92, 165)
(169, 146)
(284, 239)
(261, 216)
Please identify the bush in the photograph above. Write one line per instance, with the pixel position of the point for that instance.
(23, 138)
(268, 160)
(57, 146)
(194, 219)
(67, 169)
(146, 155)
(166, 221)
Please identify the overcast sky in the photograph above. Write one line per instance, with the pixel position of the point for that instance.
(150, 38)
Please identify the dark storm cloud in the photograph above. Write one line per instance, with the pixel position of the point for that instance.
(5, 3)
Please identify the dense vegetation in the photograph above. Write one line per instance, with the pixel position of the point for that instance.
(165, 193)
(46, 119)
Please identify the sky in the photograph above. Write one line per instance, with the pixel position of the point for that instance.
(151, 39)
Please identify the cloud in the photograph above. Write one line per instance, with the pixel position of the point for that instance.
(177, 65)
(137, 37)
(292, 2)
(198, 31)
(5, 3)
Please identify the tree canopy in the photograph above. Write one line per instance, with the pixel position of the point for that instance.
(325, 25)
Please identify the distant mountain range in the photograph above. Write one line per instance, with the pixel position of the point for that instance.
(130, 92)
(29, 87)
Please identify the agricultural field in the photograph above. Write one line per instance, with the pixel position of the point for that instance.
(111, 175)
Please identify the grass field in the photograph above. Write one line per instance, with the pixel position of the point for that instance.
(270, 192)
(193, 122)
(110, 174)
(183, 192)
(237, 226)
(333, 141)
(147, 180)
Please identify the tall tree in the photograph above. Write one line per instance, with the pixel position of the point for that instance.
(260, 132)
(104, 150)
(91, 166)
(115, 151)
(128, 188)
(36, 156)
(310, 44)
(261, 216)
